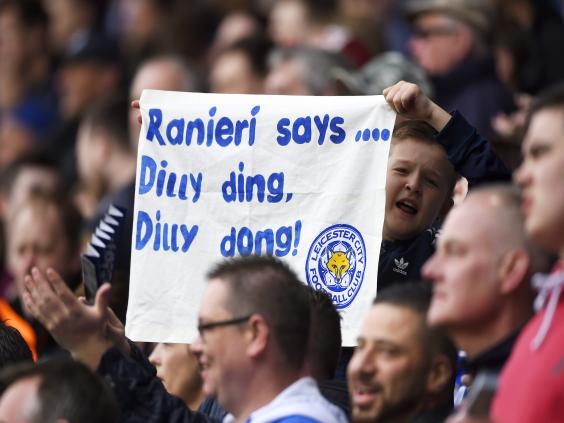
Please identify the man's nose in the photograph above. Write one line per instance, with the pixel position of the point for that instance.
(364, 363)
(414, 46)
(521, 175)
(196, 346)
(30, 261)
(154, 357)
(428, 271)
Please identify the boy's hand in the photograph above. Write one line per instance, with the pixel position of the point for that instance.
(408, 101)
(80, 328)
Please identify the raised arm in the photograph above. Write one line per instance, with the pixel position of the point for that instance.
(95, 336)
(410, 102)
(77, 327)
(471, 154)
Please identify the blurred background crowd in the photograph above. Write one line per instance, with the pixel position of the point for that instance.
(70, 68)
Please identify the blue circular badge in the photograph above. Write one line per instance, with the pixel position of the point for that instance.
(335, 263)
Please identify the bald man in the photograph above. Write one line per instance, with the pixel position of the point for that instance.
(480, 274)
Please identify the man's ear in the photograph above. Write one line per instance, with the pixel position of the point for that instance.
(440, 374)
(513, 269)
(257, 335)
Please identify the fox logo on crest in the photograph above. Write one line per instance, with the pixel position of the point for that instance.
(336, 263)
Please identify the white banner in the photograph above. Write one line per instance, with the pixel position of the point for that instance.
(300, 178)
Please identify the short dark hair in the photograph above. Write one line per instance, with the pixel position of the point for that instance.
(67, 390)
(256, 49)
(324, 346)
(320, 10)
(420, 130)
(416, 296)
(13, 348)
(552, 97)
(413, 295)
(110, 115)
(414, 128)
(267, 286)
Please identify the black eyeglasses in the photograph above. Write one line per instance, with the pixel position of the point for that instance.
(202, 327)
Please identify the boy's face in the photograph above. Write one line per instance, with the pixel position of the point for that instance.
(417, 187)
(541, 176)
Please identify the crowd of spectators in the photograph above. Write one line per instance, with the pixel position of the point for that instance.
(474, 204)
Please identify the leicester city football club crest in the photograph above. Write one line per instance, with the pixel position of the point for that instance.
(336, 262)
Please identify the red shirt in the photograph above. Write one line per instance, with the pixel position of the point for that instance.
(531, 387)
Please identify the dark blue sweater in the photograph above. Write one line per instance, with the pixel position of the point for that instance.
(472, 157)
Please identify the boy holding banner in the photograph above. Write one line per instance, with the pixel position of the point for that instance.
(421, 176)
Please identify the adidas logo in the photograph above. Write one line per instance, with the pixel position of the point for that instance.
(401, 265)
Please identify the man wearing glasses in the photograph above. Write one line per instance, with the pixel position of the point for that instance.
(254, 322)
(450, 41)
